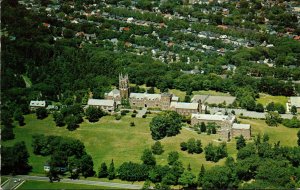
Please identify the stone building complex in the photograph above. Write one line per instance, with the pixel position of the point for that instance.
(164, 101)
(228, 128)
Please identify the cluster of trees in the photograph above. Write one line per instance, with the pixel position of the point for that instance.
(276, 107)
(270, 167)
(192, 146)
(167, 124)
(215, 153)
(64, 153)
(70, 115)
(7, 132)
(209, 128)
(291, 123)
(15, 159)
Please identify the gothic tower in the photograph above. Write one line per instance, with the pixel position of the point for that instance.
(124, 86)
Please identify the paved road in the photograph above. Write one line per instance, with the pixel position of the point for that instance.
(12, 183)
(246, 113)
(84, 182)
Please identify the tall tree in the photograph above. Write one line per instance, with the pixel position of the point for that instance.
(294, 110)
(241, 142)
(148, 158)
(41, 113)
(201, 175)
(87, 166)
(173, 157)
(111, 171)
(157, 148)
(103, 171)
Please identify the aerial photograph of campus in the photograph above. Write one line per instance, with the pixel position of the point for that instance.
(150, 94)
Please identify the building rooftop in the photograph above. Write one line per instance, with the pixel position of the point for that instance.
(145, 96)
(213, 99)
(37, 103)
(184, 105)
(240, 126)
(213, 117)
(295, 101)
(115, 92)
(100, 102)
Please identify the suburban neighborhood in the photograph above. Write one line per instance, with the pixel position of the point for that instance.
(150, 94)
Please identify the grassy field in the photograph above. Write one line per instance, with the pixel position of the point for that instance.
(286, 136)
(111, 139)
(265, 99)
(3, 179)
(181, 94)
(47, 185)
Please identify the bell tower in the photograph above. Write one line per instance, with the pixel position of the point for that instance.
(124, 86)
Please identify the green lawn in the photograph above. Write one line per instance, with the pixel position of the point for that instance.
(181, 94)
(3, 179)
(210, 92)
(265, 99)
(110, 139)
(27, 81)
(286, 136)
(57, 185)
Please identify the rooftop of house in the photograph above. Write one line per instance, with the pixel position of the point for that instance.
(37, 103)
(184, 105)
(240, 126)
(100, 102)
(295, 101)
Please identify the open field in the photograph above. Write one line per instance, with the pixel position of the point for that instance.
(265, 99)
(286, 136)
(47, 185)
(181, 94)
(111, 139)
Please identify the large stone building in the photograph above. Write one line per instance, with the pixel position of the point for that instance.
(228, 129)
(241, 129)
(221, 120)
(184, 108)
(105, 105)
(162, 101)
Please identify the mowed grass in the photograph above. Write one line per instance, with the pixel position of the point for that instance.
(286, 136)
(181, 94)
(265, 99)
(111, 139)
(57, 185)
(3, 179)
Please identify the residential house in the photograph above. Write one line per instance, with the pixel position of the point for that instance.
(34, 105)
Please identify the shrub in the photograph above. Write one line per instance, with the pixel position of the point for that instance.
(118, 117)
(132, 124)
(123, 112)
(144, 116)
(133, 115)
(134, 111)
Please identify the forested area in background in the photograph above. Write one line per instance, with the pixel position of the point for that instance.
(64, 68)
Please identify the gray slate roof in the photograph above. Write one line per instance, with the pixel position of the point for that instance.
(100, 102)
(240, 126)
